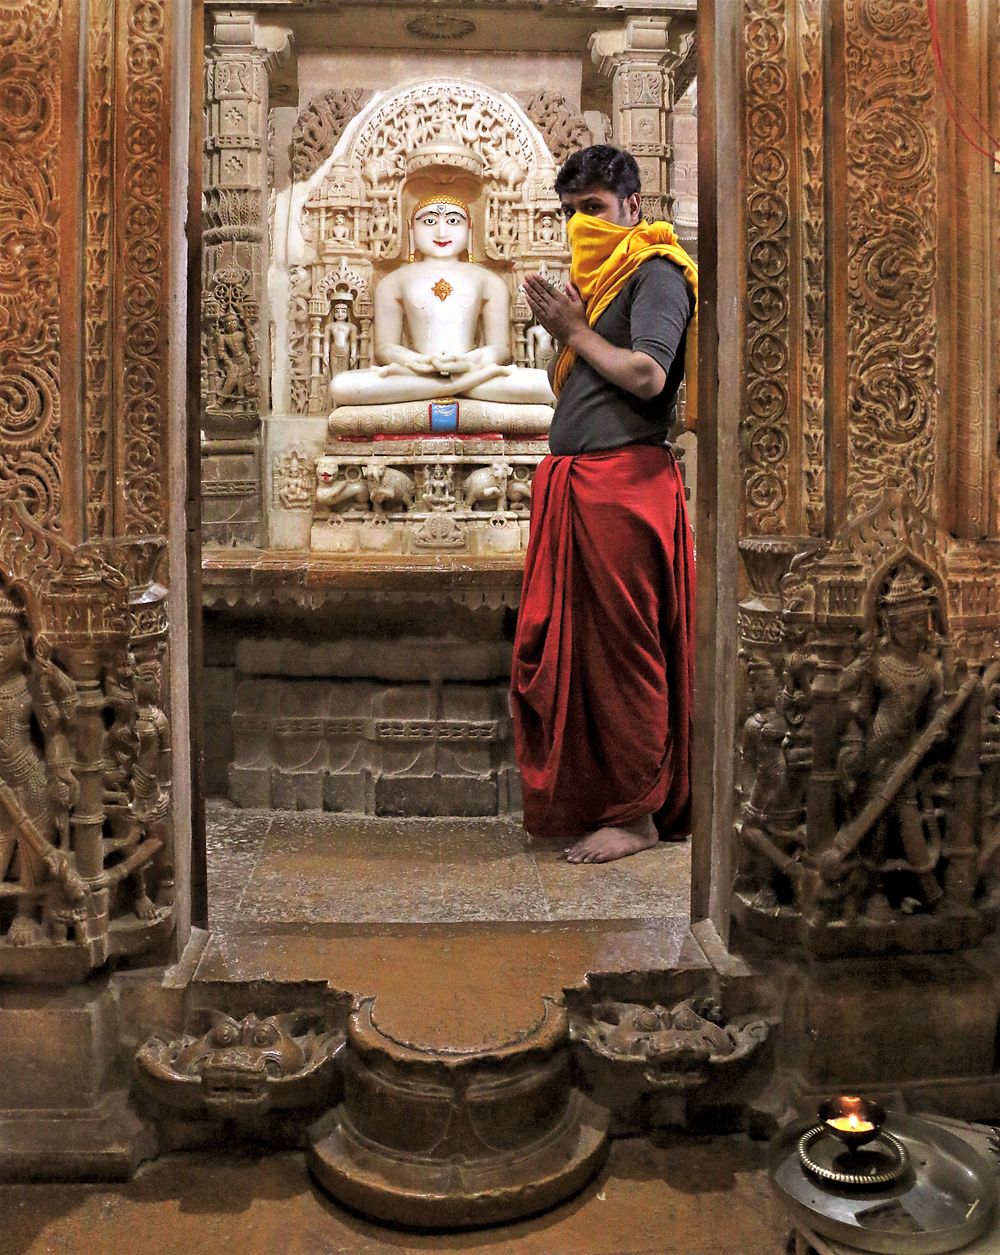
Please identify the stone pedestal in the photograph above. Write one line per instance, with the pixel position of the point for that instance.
(59, 1120)
(443, 1140)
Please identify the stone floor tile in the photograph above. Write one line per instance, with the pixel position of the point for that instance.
(654, 882)
(693, 1196)
(317, 867)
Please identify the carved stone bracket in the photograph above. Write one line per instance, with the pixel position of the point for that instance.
(242, 1070)
(666, 1050)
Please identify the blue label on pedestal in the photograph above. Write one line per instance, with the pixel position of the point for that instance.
(444, 415)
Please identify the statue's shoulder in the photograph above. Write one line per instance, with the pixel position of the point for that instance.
(491, 279)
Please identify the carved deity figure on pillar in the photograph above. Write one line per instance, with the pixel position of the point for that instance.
(150, 798)
(340, 339)
(896, 687)
(439, 301)
(37, 785)
(237, 360)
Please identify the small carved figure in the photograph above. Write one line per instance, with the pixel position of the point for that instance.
(546, 229)
(380, 228)
(487, 484)
(519, 489)
(774, 783)
(388, 486)
(510, 171)
(119, 743)
(150, 793)
(506, 228)
(439, 493)
(540, 346)
(293, 479)
(340, 339)
(37, 784)
(237, 360)
(340, 488)
(341, 229)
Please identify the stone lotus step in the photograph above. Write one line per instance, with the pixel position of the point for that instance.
(446, 1138)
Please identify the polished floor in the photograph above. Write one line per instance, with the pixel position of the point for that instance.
(310, 867)
(682, 1196)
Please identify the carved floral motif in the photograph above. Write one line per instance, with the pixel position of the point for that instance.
(319, 126)
(31, 121)
(564, 130)
(765, 431)
(143, 194)
(813, 285)
(892, 266)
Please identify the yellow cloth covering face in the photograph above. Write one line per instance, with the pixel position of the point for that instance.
(604, 258)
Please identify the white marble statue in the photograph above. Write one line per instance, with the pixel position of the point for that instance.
(340, 339)
(441, 302)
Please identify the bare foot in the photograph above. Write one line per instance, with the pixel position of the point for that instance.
(607, 844)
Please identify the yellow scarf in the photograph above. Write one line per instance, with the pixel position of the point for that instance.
(604, 258)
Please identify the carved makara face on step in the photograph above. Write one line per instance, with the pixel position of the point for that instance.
(440, 230)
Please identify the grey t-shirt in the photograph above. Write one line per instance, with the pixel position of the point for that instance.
(650, 314)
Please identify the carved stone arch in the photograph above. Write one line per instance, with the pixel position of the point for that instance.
(360, 141)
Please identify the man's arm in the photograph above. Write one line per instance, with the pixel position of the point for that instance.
(564, 315)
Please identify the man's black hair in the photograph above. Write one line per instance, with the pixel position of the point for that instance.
(600, 165)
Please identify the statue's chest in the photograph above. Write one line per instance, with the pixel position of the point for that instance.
(441, 298)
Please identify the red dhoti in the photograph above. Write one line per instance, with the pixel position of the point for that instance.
(602, 677)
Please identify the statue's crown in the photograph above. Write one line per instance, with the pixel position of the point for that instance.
(906, 590)
(441, 200)
(9, 609)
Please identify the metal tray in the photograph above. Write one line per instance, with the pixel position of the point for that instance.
(945, 1199)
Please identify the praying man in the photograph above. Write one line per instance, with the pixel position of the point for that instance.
(601, 683)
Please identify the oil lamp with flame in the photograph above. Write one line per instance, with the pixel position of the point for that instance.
(853, 1121)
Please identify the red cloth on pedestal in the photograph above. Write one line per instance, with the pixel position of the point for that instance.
(602, 677)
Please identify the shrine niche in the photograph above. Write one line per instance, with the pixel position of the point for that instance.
(466, 438)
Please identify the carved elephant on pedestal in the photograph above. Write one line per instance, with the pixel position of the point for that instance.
(488, 483)
(388, 486)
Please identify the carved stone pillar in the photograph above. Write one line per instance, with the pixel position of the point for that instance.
(92, 388)
(650, 64)
(241, 60)
(869, 610)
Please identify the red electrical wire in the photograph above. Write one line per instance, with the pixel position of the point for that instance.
(951, 91)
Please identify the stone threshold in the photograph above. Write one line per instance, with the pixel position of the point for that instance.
(459, 986)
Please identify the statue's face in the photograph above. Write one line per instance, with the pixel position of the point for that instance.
(440, 231)
(340, 313)
(11, 646)
(908, 631)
